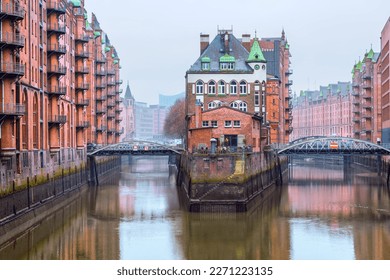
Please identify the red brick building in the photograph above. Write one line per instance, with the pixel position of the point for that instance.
(225, 74)
(384, 70)
(50, 80)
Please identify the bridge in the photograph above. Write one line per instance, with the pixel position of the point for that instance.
(332, 145)
(135, 148)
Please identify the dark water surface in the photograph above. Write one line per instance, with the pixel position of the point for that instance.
(321, 214)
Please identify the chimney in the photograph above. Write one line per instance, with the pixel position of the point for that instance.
(204, 42)
(246, 41)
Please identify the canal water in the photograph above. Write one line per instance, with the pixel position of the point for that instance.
(322, 213)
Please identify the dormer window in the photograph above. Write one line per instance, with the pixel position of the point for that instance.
(205, 61)
(227, 62)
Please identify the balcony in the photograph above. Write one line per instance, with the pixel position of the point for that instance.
(367, 106)
(83, 124)
(82, 70)
(100, 59)
(111, 72)
(54, 7)
(118, 110)
(289, 82)
(119, 91)
(356, 111)
(118, 101)
(367, 116)
(111, 93)
(367, 86)
(12, 110)
(56, 48)
(11, 40)
(82, 102)
(11, 69)
(118, 119)
(101, 128)
(56, 70)
(100, 86)
(111, 116)
(367, 96)
(100, 72)
(289, 72)
(367, 77)
(56, 90)
(119, 82)
(101, 97)
(11, 10)
(110, 104)
(356, 120)
(56, 119)
(82, 38)
(111, 83)
(82, 54)
(59, 28)
(101, 110)
(355, 93)
(356, 85)
(82, 86)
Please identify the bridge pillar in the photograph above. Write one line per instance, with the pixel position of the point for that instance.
(347, 168)
(93, 174)
(379, 164)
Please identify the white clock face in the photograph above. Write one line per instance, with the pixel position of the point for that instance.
(257, 66)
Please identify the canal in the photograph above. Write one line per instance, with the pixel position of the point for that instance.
(321, 213)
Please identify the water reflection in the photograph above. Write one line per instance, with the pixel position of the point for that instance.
(321, 214)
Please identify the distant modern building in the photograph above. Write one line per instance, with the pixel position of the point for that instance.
(384, 70)
(149, 121)
(323, 112)
(168, 100)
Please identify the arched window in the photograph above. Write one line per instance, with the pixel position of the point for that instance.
(221, 87)
(35, 121)
(234, 105)
(199, 87)
(25, 121)
(211, 87)
(243, 87)
(212, 105)
(243, 106)
(233, 87)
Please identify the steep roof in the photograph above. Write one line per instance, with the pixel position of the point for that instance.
(128, 94)
(256, 55)
(216, 50)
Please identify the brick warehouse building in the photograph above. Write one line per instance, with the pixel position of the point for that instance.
(384, 69)
(54, 67)
(229, 94)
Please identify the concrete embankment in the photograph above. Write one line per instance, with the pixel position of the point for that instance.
(228, 182)
(22, 209)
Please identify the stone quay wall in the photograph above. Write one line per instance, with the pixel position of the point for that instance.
(228, 182)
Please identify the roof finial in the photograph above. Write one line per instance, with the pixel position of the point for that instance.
(255, 34)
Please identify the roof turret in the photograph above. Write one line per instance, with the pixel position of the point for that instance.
(256, 55)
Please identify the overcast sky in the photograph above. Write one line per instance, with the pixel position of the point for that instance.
(157, 41)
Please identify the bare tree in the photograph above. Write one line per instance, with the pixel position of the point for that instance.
(175, 126)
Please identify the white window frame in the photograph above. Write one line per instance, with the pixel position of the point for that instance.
(205, 123)
(199, 87)
(243, 87)
(236, 123)
(221, 87)
(211, 87)
(214, 123)
(233, 87)
(228, 123)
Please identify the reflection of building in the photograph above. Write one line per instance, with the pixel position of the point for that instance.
(323, 112)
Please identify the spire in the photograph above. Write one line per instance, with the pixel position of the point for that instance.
(128, 94)
(283, 34)
(256, 55)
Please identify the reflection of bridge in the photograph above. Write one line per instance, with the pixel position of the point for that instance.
(135, 148)
(332, 145)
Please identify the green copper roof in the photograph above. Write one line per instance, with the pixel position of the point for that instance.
(227, 58)
(97, 34)
(116, 61)
(107, 49)
(370, 54)
(256, 55)
(85, 15)
(76, 3)
(287, 46)
(205, 59)
(359, 65)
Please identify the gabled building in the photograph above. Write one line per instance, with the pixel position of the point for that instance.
(226, 75)
(127, 115)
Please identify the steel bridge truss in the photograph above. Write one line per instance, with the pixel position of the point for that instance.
(333, 145)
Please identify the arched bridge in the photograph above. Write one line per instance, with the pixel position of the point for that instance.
(332, 145)
(135, 148)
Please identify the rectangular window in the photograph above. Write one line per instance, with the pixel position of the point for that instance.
(228, 123)
(205, 123)
(214, 123)
(237, 123)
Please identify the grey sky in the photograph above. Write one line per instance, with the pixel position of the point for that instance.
(157, 41)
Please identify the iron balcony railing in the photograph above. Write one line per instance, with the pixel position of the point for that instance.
(82, 70)
(101, 98)
(12, 9)
(82, 102)
(57, 69)
(111, 72)
(82, 38)
(83, 124)
(12, 68)
(56, 90)
(53, 6)
(13, 39)
(120, 90)
(118, 119)
(57, 119)
(101, 85)
(111, 93)
(118, 110)
(101, 128)
(110, 104)
(289, 72)
(111, 116)
(56, 27)
(12, 109)
(111, 83)
(100, 59)
(82, 54)
(82, 86)
(100, 72)
(101, 110)
(57, 48)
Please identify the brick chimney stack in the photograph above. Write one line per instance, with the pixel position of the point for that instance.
(204, 42)
(246, 41)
